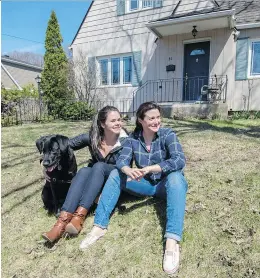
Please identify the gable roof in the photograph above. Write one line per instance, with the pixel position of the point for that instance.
(82, 22)
(13, 61)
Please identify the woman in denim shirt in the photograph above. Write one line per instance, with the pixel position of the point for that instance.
(160, 160)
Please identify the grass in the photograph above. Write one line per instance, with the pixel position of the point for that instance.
(222, 230)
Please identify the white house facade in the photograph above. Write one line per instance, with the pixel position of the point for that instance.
(173, 51)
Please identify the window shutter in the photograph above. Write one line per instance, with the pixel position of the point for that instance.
(120, 7)
(92, 69)
(157, 3)
(241, 59)
(137, 55)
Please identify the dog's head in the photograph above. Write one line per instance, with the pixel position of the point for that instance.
(54, 148)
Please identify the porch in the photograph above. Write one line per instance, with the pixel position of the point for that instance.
(187, 96)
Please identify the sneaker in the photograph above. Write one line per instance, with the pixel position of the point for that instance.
(91, 239)
(171, 260)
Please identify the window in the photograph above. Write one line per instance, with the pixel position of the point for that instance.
(254, 58)
(134, 5)
(127, 68)
(197, 52)
(103, 71)
(147, 4)
(116, 70)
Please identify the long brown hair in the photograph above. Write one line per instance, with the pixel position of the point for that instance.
(140, 113)
(96, 132)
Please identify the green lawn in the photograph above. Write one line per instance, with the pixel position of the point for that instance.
(221, 233)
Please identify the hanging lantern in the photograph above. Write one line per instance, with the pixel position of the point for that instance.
(194, 31)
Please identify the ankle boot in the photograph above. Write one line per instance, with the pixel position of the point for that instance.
(76, 223)
(58, 229)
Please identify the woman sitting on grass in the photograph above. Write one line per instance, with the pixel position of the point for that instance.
(104, 141)
(160, 160)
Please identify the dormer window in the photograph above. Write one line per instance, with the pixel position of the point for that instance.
(136, 5)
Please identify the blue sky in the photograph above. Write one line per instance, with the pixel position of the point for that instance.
(29, 19)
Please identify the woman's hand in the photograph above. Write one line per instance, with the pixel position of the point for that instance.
(146, 170)
(151, 169)
(133, 173)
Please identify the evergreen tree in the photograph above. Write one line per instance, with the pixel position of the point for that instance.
(54, 75)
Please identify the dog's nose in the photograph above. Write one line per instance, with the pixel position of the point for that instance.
(46, 163)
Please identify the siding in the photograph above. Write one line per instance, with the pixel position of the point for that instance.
(247, 92)
(22, 75)
(6, 80)
(104, 33)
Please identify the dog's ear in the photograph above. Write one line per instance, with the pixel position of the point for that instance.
(40, 142)
(63, 142)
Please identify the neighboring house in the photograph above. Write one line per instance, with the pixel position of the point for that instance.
(17, 74)
(150, 50)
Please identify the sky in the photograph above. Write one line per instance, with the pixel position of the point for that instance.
(28, 20)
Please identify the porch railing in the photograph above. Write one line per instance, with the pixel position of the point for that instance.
(187, 89)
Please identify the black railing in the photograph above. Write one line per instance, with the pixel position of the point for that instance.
(187, 89)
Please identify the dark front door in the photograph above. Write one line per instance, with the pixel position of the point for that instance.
(196, 70)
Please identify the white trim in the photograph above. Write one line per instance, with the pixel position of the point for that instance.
(197, 40)
(248, 25)
(190, 18)
(9, 74)
(249, 76)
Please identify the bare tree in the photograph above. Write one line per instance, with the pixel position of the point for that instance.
(27, 57)
(83, 78)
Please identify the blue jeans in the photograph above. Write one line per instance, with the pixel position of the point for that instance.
(86, 186)
(173, 188)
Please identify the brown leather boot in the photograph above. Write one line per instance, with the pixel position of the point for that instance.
(76, 223)
(59, 228)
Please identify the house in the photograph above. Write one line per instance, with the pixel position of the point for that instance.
(191, 53)
(17, 74)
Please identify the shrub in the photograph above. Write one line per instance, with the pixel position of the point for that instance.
(245, 115)
(78, 110)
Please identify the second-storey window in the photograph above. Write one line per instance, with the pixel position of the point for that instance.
(115, 70)
(133, 5)
(147, 4)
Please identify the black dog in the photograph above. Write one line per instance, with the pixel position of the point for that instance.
(60, 165)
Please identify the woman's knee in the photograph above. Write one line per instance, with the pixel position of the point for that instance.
(85, 171)
(114, 174)
(177, 180)
(99, 167)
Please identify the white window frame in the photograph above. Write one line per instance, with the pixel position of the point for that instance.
(140, 6)
(251, 41)
(109, 72)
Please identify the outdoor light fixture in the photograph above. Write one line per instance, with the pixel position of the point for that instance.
(38, 79)
(194, 31)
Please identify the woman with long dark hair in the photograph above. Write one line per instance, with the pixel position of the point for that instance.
(160, 161)
(104, 141)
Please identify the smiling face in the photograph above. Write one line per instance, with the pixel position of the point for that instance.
(151, 121)
(113, 123)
